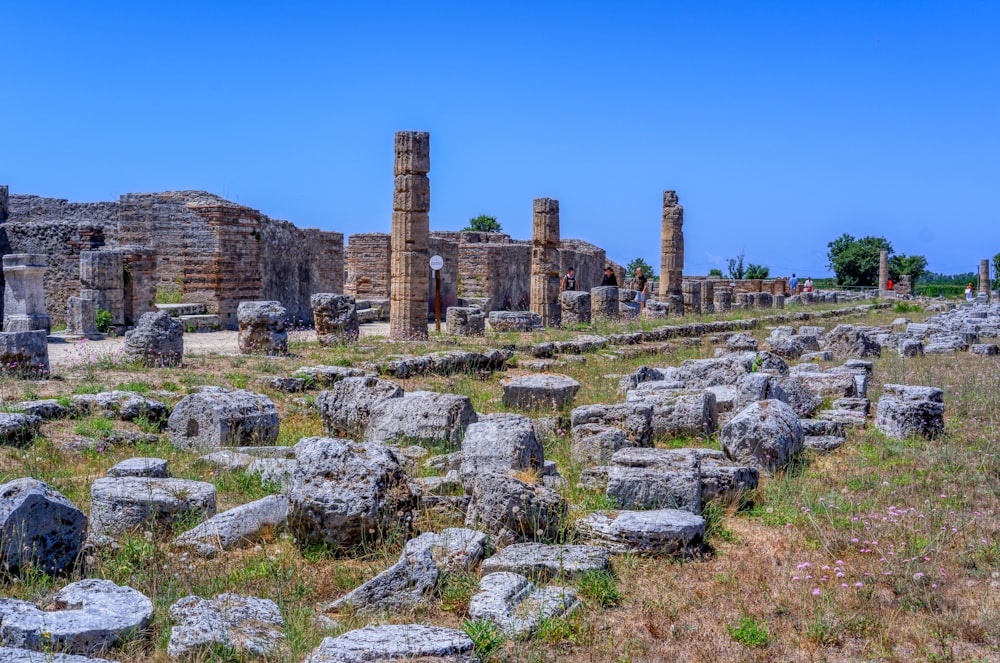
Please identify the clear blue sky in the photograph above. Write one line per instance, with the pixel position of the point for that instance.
(780, 124)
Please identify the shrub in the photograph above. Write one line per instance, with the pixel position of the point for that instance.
(103, 320)
(749, 632)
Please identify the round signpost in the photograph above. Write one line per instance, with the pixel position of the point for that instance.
(437, 262)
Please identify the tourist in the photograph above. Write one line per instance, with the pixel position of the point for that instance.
(809, 284)
(793, 283)
(568, 281)
(968, 293)
(609, 277)
(641, 286)
(889, 285)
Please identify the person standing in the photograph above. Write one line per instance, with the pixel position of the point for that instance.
(809, 284)
(968, 293)
(568, 281)
(609, 277)
(793, 283)
(642, 287)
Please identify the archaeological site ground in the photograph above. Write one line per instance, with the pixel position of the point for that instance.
(229, 439)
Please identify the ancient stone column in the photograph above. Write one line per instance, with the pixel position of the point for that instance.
(102, 278)
(544, 295)
(4, 202)
(707, 296)
(984, 278)
(883, 271)
(672, 253)
(691, 292)
(411, 204)
(81, 318)
(24, 294)
(723, 300)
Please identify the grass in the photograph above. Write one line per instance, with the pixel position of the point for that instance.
(906, 529)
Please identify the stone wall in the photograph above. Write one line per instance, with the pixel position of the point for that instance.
(368, 266)
(448, 250)
(318, 265)
(587, 260)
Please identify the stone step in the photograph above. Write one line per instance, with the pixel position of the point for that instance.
(200, 323)
(178, 310)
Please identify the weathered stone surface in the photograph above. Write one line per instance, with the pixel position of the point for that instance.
(677, 413)
(424, 561)
(119, 505)
(86, 617)
(545, 391)
(243, 523)
(17, 428)
(140, 467)
(826, 384)
(542, 562)
(500, 443)
(400, 642)
(157, 340)
(24, 353)
(849, 341)
(18, 655)
(420, 417)
(659, 532)
(335, 317)
(124, 405)
(465, 320)
(244, 624)
(907, 411)
(758, 387)
(24, 294)
(262, 328)
(39, 527)
(822, 355)
(326, 376)
(765, 434)
(740, 342)
(344, 493)
(985, 349)
(910, 347)
(823, 442)
(723, 480)
(346, 408)
(81, 318)
(516, 606)
(594, 444)
(799, 397)
(513, 511)
(634, 418)
(575, 307)
(604, 302)
(655, 479)
(216, 417)
(503, 321)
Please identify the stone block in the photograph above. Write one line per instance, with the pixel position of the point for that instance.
(411, 232)
(214, 418)
(158, 340)
(546, 391)
(906, 411)
(81, 317)
(24, 294)
(604, 302)
(335, 318)
(39, 527)
(657, 532)
(247, 626)
(402, 642)
(465, 321)
(413, 152)
(241, 524)
(121, 505)
(24, 353)
(516, 606)
(412, 194)
(262, 328)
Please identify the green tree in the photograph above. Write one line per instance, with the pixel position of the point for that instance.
(915, 266)
(736, 270)
(855, 261)
(996, 271)
(639, 262)
(757, 271)
(483, 224)
(715, 271)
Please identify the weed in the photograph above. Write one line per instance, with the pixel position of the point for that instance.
(750, 632)
(600, 588)
(486, 637)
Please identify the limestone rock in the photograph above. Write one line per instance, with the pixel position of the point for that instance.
(421, 417)
(604, 302)
(18, 655)
(544, 391)
(119, 505)
(465, 321)
(849, 341)
(247, 625)
(655, 479)
(262, 328)
(635, 419)
(575, 306)
(39, 527)
(765, 434)
(237, 525)
(157, 340)
(910, 347)
(17, 428)
(542, 562)
(513, 511)
(594, 444)
(86, 617)
(335, 317)
(503, 321)
(803, 401)
(723, 480)
(516, 606)
(398, 642)
(326, 376)
(346, 407)
(215, 418)
(344, 492)
(677, 413)
(124, 405)
(500, 443)
(906, 411)
(659, 532)
(25, 353)
(140, 467)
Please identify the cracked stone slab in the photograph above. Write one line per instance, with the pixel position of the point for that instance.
(237, 525)
(516, 605)
(399, 642)
(247, 624)
(658, 532)
(540, 561)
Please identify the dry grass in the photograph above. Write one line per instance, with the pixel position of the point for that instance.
(883, 550)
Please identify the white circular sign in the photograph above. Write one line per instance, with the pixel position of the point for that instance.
(437, 262)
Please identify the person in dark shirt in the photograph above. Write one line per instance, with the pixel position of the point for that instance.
(568, 281)
(609, 277)
(642, 287)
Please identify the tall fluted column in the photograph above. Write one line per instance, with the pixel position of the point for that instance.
(672, 253)
(545, 261)
(984, 278)
(883, 271)
(411, 204)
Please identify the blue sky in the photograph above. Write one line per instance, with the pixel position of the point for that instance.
(780, 124)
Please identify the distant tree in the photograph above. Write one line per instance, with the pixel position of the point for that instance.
(736, 270)
(639, 262)
(915, 266)
(483, 224)
(757, 271)
(715, 272)
(996, 271)
(855, 261)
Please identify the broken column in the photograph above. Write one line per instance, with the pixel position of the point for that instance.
(672, 253)
(691, 292)
(708, 296)
(4, 202)
(411, 204)
(984, 278)
(24, 293)
(81, 317)
(723, 301)
(544, 295)
(883, 271)
(102, 278)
